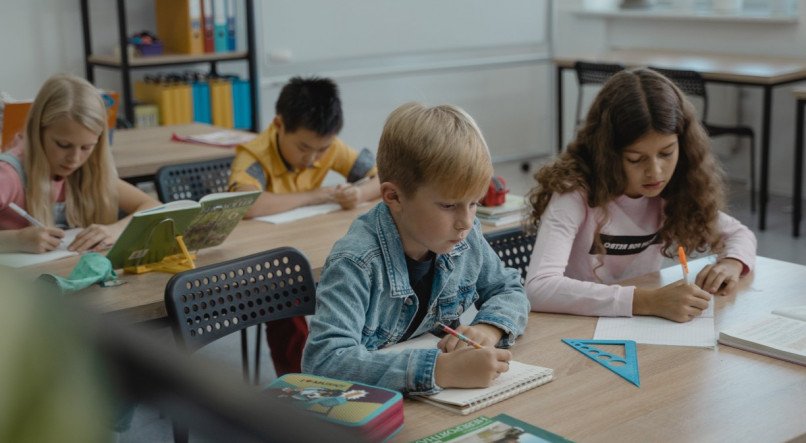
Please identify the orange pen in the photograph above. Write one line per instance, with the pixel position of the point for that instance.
(681, 253)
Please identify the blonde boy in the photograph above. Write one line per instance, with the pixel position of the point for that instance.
(416, 259)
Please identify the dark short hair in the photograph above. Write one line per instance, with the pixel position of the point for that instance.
(312, 103)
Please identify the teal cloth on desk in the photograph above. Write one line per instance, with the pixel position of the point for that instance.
(91, 268)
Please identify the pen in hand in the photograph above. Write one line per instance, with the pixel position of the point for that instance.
(461, 337)
(25, 215)
(681, 254)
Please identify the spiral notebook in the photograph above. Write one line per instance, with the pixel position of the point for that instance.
(520, 377)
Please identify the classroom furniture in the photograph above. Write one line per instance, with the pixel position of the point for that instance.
(213, 301)
(693, 85)
(125, 64)
(140, 297)
(192, 181)
(686, 394)
(589, 73)
(514, 246)
(140, 152)
(741, 70)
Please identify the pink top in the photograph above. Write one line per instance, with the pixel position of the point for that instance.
(12, 190)
(565, 276)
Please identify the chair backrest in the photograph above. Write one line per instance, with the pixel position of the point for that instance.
(690, 83)
(192, 181)
(589, 73)
(514, 246)
(210, 302)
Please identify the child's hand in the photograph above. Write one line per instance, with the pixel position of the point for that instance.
(348, 196)
(679, 301)
(470, 367)
(720, 278)
(483, 334)
(94, 238)
(37, 240)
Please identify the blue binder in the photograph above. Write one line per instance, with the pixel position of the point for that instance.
(231, 25)
(241, 104)
(201, 102)
(220, 26)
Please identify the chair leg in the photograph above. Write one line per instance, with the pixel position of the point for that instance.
(753, 174)
(180, 433)
(257, 353)
(244, 356)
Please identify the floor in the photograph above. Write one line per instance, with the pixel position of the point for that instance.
(775, 242)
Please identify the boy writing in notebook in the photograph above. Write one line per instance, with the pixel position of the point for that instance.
(289, 161)
(415, 260)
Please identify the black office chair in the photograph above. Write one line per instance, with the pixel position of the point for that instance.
(589, 73)
(514, 246)
(210, 302)
(193, 180)
(693, 85)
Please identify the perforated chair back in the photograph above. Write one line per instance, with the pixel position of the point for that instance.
(210, 302)
(514, 247)
(192, 181)
(589, 73)
(692, 84)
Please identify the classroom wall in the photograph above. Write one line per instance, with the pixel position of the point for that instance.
(788, 40)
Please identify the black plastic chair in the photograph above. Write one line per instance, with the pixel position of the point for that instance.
(514, 247)
(589, 73)
(210, 302)
(693, 85)
(192, 181)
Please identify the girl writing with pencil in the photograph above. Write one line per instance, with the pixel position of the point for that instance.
(61, 174)
(638, 181)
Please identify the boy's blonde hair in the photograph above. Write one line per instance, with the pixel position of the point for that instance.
(91, 192)
(440, 145)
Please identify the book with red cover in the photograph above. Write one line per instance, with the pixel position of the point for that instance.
(375, 413)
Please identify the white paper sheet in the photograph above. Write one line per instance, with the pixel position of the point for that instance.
(699, 332)
(22, 259)
(299, 213)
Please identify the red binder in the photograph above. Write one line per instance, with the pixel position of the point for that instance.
(208, 25)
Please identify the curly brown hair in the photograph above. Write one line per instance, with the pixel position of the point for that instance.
(632, 103)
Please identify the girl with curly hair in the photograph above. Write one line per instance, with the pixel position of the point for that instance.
(638, 180)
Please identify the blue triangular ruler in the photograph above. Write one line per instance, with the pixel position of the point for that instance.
(626, 367)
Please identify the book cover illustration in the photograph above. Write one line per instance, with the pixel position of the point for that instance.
(501, 428)
(217, 219)
(345, 402)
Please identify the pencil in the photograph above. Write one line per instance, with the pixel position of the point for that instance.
(456, 334)
(25, 215)
(681, 253)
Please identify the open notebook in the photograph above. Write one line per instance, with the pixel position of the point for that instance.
(22, 259)
(520, 377)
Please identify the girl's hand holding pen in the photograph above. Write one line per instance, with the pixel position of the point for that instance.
(39, 239)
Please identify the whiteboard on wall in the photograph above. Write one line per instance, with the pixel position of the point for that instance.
(314, 31)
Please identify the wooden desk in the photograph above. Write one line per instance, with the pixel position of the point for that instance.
(686, 394)
(797, 191)
(141, 297)
(742, 70)
(138, 153)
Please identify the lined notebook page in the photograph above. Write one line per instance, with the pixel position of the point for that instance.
(699, 332)
(519, 378)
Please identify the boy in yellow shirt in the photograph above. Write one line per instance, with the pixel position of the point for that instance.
(289, 161)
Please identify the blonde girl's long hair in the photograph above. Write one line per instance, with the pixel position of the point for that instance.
(629, 105)
(91, 191)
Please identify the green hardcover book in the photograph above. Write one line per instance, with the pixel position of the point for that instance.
(499, 428)
(150, 235)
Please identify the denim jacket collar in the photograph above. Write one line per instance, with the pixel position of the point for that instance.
(391, 243)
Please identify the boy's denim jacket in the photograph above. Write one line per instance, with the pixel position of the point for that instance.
(365, 302)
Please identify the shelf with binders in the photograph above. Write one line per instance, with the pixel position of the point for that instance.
(167, 59)
(125, 63)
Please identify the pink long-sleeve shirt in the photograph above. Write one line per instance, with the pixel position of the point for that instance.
(565, 276)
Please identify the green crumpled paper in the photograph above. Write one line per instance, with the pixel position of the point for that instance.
(91, 268)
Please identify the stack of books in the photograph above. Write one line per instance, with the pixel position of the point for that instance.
(374, 413)
(512, 211)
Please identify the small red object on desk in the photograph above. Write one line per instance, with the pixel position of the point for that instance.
(496, 193)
